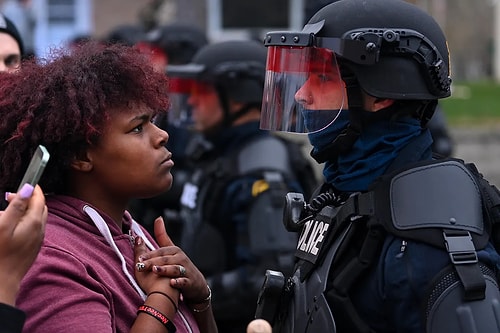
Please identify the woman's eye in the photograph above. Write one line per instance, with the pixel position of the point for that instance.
(138, 129)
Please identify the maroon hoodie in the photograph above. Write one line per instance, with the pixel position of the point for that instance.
(78, 282)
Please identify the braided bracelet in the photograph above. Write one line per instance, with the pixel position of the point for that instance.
(208, 299)
(164, 294)
(158, 316)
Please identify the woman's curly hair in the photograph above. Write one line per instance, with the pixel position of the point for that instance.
(64, 103)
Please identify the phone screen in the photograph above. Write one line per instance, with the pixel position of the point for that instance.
(36, 167)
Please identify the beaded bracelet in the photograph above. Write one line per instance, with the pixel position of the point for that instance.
(208, 299)
(164, 294)
(158, 316)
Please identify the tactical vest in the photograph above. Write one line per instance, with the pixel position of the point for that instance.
(444, 203)
(203, 194)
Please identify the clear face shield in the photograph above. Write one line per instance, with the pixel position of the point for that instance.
(180, 113)
(303, 90)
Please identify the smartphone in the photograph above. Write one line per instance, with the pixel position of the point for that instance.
(36, 167)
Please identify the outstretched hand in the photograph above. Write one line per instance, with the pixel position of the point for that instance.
(22, 229)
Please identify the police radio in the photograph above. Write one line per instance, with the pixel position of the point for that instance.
(297, 211)
(293, 212)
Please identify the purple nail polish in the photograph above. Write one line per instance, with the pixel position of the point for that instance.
(26, 191)
(7, 196)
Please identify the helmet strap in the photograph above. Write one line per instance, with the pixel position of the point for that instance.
(244, 110)
(224, 103)
(225, 123)
(426, 111)
(228, 116)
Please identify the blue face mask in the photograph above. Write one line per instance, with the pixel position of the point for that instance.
(321, 139)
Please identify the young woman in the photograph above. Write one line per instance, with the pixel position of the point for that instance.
(98, 270)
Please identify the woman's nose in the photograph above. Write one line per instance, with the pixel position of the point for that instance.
(162, 137)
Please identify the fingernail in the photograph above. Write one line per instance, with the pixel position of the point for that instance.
(157, 269)
(26, 191)
(138, 240)
(140, 266)
(7, 196)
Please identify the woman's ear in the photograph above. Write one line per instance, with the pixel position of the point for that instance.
(81, 162)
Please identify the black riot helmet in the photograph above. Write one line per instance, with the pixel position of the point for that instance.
(235, 68)
(386, 48)
(179, 41)
(128, 34)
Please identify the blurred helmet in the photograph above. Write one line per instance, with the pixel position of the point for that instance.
(391, 48)
(235, 68)
(127, 34)
(179, 41)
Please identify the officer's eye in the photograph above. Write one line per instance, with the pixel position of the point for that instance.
(324, 77)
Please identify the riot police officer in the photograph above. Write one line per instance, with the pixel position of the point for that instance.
(232, 204)
(442, 142)
(394, 241)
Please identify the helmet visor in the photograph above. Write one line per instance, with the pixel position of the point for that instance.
(180, 111)
(303, 90)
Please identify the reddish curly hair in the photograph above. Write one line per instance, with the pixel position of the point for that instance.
(64, 104)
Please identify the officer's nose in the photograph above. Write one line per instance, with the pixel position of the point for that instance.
(303, 96)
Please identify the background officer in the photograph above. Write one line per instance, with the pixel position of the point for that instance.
(232, 204)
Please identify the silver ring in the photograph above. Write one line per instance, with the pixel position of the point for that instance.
(182, 270)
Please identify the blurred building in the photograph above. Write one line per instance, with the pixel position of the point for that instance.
(58, 21)
(471, 30)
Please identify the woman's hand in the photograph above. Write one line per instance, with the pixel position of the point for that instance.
(22, 229)
(148, 280)
(170, 261)
(161, 296)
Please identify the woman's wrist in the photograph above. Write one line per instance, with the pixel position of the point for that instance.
(203, 304)
(174, 302)
(7, 297)
(9, 290)
(166, 302)
(159, 316)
